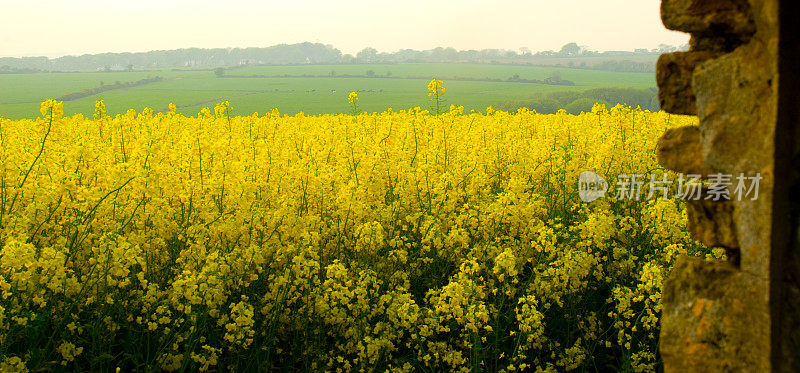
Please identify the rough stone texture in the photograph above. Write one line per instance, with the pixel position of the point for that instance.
(704, 17)
(732, 316)
(712, 223)
(679, 150)
(713, 300)
(674, 78)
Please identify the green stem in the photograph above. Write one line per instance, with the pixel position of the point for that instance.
(30, 168)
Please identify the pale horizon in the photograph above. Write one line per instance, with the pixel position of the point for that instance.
(53, 28)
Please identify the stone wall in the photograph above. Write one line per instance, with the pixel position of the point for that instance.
(738, 79)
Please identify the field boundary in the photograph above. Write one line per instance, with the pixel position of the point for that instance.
(107, 87)
(546, 81)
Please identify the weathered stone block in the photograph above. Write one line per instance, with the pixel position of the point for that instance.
(679, 150)
(726, 88)
(674, 77)
(708, 17)
(718, 316)
(712, 223)
(715, 320)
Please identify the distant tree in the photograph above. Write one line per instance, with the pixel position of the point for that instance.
(129, 67)
(384, 57)
(544, 105)
(470, 55)
(581, 105)
(370, 73)
(332, 73)
(219, 72)
(554, 77)
(367, 55)
(575, 102)
(665, 48)
(570, 49)
(301, 53)
(440, 54)
(388, 73)
(348, 58)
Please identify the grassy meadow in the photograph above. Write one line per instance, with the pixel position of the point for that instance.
(323, 90)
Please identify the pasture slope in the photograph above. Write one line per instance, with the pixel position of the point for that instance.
(313, 89)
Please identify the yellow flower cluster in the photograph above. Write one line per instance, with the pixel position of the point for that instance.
(68, 352)
(435, 87)
(99, 109)
(352, 98)
(52, 107)
(395, 241)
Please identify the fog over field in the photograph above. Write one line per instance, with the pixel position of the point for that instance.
(50, 28)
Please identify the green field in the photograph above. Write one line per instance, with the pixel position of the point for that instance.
(192, 90)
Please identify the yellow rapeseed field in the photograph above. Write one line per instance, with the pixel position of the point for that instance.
(402, 240)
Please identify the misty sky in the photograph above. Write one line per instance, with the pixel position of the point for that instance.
(57, 27)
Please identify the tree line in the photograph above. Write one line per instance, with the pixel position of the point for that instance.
(575, 102)
(107, 87)
(313, 53)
